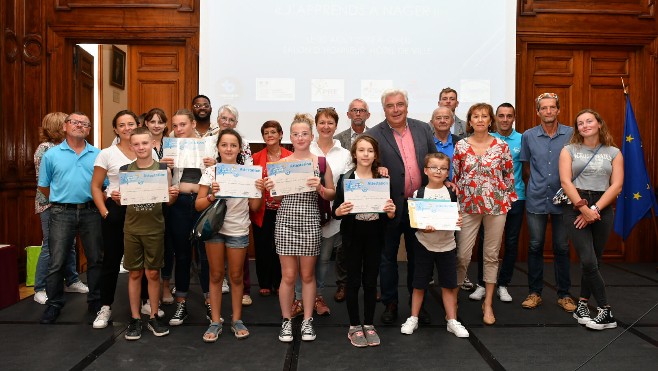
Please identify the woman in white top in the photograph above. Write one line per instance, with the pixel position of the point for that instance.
(340, 161)
(107, 201)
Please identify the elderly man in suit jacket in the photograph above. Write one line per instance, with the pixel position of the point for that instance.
(358, 114)
(448, 98)
(403, 144)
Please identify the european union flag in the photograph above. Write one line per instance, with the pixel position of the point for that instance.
(637, 197)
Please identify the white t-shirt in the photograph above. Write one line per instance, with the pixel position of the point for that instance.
(340, 161)
(236, 222)
(437, 241)
(111, 159)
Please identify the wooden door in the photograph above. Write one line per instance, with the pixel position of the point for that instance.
(157, 78)
(84, 85)
(584, 77)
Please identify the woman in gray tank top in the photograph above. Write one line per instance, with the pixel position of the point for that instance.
(592, 174)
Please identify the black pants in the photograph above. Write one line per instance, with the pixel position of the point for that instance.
(268, 266)
(363, 251)
(112, 230)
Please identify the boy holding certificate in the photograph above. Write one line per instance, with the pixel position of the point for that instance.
(144, 240)
(436, 247)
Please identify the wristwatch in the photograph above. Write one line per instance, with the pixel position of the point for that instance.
(595, 208)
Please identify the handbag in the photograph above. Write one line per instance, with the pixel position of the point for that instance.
(324, 206)
(560, 197)
(210, 221)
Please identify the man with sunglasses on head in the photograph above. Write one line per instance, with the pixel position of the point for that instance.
(358, 114)
(403, 144)
(65, 180)
(540, 152)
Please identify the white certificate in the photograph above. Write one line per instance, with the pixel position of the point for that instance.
(290, 176)
(367, 195)
(238, 180)
(189, 152)
(440, 214)
(143, 187)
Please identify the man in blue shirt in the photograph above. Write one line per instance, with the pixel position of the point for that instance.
(442, 121)
(65, 179)
(505, 116)
(540, 152)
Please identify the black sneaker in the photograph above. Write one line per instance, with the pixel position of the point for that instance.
(181, 314)
(134, 330)
(285, 335)
(603, 320)
(208, 312)
(308, 332)
(50, 315)
(157, 328)
(582, 313)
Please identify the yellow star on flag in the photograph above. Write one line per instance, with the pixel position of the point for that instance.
(637, 196)
(629, 138)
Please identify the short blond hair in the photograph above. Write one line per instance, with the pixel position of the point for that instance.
(52, 127)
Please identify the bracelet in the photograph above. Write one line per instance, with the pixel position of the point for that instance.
(107, 212)
(208, 197)
(582, 202)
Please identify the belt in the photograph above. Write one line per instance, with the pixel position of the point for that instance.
(590, 193)
(86, 205)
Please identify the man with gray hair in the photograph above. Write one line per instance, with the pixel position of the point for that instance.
(358, 114)
(403, 144)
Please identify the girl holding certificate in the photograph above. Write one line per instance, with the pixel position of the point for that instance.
(362, 241)
(297, 232)
(484, 174)
(231, 240)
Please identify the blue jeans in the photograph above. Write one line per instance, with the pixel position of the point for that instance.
(388, 268)
(70, 269)
(64, 225)
(512, 232)
(321, 265)
(537, 230)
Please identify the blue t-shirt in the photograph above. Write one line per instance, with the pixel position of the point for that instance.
(447, 148)
(543, 154)
(514, 143)
(68, 174)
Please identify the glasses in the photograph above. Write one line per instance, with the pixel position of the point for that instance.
(84, 124)
(304, 134)
(435, 169)
(325, 109)
(227, 119)
(358, 110)
(201, 105)
(547, 95)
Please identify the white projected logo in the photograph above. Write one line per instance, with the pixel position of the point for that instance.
(275, 90)
(327, 90)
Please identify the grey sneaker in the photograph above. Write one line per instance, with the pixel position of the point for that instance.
(371, 335)
(357, 337)
(157, 328)
(308, 333)
(134, 330)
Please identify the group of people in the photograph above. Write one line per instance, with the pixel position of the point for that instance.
(482, 164)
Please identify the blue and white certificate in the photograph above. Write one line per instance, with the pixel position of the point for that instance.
(367, 195)
(440, 214)
(237, 180)
(143, 187)
(189, 152)
(290, 177)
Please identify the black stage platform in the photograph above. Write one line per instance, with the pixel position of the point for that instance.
(546, 338)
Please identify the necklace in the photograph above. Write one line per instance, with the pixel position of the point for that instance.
(274, 156)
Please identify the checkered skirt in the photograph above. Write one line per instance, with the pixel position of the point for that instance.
(297, 230)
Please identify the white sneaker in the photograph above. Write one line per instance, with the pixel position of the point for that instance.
(503, 294)
(146, 309)
(409, 326)
(456, 328)
(225, 288)
(478, 294)
(103, 317)
(41, 297)
(78, 287)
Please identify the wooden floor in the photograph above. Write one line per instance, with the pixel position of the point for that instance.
(545, 338)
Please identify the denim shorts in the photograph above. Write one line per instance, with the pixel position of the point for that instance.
(239, 242)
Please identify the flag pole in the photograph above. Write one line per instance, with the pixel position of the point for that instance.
(653, 212)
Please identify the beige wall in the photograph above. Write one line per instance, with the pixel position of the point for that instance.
(113, 99)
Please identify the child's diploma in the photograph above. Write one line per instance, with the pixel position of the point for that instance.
(290, 177)
(367, 195)
(237, 180)
(442, 215)
(143, 187)
(188, 152)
